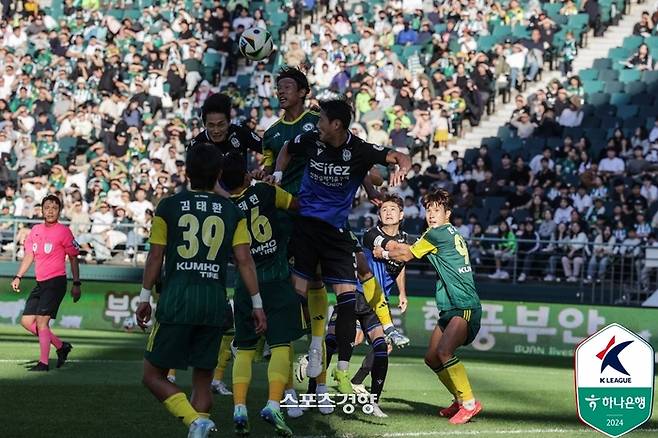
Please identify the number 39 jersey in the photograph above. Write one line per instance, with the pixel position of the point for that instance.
(259, 203)
(446, 250)
(199, 231)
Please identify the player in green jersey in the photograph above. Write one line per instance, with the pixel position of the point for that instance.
(456, 299)
(194, 232)
(260, 202)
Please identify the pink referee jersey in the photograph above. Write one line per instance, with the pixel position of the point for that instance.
(50, 246)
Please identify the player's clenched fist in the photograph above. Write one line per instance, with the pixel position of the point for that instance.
(16, 285)
(143, 314)
(260, 321)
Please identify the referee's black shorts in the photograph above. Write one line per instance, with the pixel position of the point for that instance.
(316, 243)
(45, 298)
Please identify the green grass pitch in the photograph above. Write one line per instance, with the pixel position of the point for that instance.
(98, 394)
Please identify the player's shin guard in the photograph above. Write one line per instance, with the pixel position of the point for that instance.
(278, 372)
(317, 307)
(372, 292)
(366, 367)
(459, 378)
(345, 327)
(379, 366)
(224, 356)
(179, 406)
(242, 375)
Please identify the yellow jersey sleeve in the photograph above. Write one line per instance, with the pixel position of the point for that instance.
(282, 198)
(268, 157)
(241, 236)
(423, 247)
(158, 231)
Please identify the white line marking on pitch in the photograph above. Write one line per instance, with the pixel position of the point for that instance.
(499, 432)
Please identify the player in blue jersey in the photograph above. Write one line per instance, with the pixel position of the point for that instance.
(387, 272)
(336, 164)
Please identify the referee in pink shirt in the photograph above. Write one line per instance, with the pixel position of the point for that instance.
(47, 245)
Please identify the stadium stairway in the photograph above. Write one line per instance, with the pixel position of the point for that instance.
(597, 48)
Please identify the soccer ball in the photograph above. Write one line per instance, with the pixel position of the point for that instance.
(256, 43)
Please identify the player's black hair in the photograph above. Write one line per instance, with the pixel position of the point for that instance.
(394, 199)
(203, 166)
(296, 75)
(216, 103)
(235, 168)
(337, 109)
(439, 197)
(52, 198)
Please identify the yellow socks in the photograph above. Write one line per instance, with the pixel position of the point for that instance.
(455, 373)
(224, 356)
(372, 292)
(291, 367)
(180, 407)
(317, 307)
(242, 375)
(278, 372)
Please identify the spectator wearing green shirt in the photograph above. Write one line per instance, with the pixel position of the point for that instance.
(504, 250)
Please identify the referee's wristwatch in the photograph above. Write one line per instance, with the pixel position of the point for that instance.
(77, 283)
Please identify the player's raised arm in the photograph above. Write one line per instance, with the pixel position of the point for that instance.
(247, 268)
(400, 252)
(401, 282)
(282, 162)
(404, 164)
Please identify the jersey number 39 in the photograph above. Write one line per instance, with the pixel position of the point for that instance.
(212, 235)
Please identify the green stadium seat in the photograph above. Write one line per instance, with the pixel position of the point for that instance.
(598, 99)
(613, 87)
(650, 77)
(632, 42)
(629, 75)
(588, 74)
(635, 88)
(602, 64)
(627, 111)
(618, 54)
(578, 21)
(608, 75)
(116, 13)
(618, 99)
(591, 87)
(211, 59)
(642, 99)
(512, 144)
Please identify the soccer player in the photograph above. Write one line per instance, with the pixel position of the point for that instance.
(292, 89)
(194, 232)
(386, 272)
(220, 132)
(260, 202)
(48, 245)
(456, 299)
(336, 165)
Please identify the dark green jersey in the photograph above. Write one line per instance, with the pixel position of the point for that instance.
(259, 203)
(277, 136)
(199, 230)
(447, 252)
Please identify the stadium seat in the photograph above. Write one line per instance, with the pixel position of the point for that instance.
(650, 77)
(643, 99)
(635, 88)
(613, 87)
(598, 99)
(591, 121)
(618, 54)
(632, 42)
(608, 75)
(588, 74)
(591, 87)
(618, 99)
(602, 64)
(512, 144)
(491, 142)
(627, 111)
(627, 76)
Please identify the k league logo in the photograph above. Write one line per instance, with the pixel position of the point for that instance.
(614, 380)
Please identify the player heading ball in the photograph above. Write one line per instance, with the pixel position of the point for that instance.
(336, 164)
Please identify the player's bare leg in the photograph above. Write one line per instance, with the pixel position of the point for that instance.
(374, 295)
(452, 372)
(155, 379)
(434, 363)
(201, 393)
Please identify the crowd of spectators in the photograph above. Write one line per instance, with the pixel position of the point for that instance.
(99, 109)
